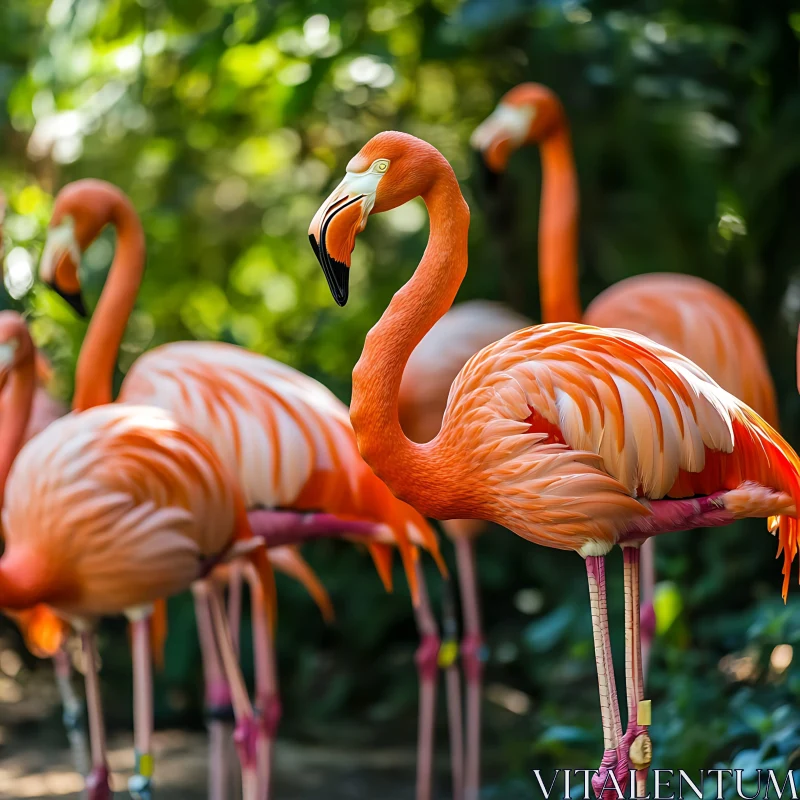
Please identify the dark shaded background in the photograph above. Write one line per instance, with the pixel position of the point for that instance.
(229, 121)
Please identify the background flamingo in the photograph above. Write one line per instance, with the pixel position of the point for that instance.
(429, 373)
(569, 435)
(286, 437)
(682, 312)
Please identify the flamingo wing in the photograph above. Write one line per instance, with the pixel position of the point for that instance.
(579, 421)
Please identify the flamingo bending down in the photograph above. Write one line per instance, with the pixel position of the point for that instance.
(130, 508)
(429, 373)
(682, 312)
(573, 437)
(285, 436)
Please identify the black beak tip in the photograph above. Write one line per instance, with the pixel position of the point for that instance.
(336, 273)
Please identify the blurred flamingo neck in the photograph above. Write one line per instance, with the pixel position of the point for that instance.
(408, 468)
(16, 410)
(94, 375)
(558, 230)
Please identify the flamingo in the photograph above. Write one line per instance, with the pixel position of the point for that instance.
(285, 437)
(682, 312)
(429, 373)
(571, 436)
(131, 507)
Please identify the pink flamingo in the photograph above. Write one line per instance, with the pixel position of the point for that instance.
(571, 436)
(286, 437)
(682, 312)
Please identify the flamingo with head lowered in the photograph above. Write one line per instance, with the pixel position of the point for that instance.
(574, 437)
(286, 438)
(682, 312)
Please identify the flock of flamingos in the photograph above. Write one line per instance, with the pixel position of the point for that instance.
(214, 464)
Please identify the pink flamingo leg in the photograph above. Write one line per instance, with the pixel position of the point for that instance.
(217, 702)
(235, 604)
(448, 658)
(648, 615)
(268, 704)
(97, 786)
(206, 592)
(73, 712)
(473, 653)
(637, 749)
(428, 668)
(609, 706)
(140, 784)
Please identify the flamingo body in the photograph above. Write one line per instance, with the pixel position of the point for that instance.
(128, 507)
(285, 436)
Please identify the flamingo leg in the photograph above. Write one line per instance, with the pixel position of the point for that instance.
(648, 615)
(473, 654)
(637, 748)
(73, 712)
(217, 702)
(140, 785)
(235, 603)
(428, 669)
(242, 708)
(448, 658)
(268, 704)
(97, 786)
(609, 706)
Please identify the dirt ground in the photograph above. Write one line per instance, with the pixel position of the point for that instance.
(35, 759)
(302, 773)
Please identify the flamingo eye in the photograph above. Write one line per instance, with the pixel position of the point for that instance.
(381, 165)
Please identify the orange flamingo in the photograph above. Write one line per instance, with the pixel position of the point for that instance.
(429, 373)
(286, 437)
(571, 436)
(682, 312)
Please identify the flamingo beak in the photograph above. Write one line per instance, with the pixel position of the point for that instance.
(58, 267)
(336, 224)
(502, 132)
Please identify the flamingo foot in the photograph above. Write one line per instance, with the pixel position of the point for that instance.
(427, 658)
(97, 787)
(474, 655)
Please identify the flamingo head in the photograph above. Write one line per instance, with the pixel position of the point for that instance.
(391, 169)
(15, 344)
(82, 209)
(527, 114)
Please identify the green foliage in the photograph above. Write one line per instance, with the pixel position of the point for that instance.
(227, 121)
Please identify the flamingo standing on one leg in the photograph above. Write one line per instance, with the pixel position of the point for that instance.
(286, 437)
(682, 312)
(429, 373)
(573, 437)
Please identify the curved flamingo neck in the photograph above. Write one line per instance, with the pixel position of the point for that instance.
(410, 469)
(94, 376)
(16, 410)
(558, 230)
